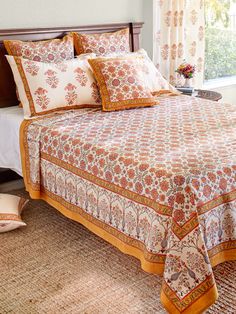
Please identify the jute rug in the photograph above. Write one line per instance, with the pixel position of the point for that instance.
(55, 265)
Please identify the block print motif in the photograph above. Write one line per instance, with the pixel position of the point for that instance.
(52, 79)
(42, 100)
(178, 24)
(32, 68)
(81, 76)
(71, 95)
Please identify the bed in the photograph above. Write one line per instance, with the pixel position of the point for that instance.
(158, 183)
(10, 121)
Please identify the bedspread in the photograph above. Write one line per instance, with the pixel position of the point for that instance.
(159, 183)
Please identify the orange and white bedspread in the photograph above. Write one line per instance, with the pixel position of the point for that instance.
(158, 183)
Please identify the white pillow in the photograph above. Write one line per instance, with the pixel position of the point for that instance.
(11, 207)
(154, 80)
(157, 83)
(47, 87)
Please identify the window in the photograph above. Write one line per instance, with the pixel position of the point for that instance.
(220, 55)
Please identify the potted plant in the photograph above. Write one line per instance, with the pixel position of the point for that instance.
(187, 71)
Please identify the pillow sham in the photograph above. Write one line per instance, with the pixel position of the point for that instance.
(45, 87)
(11, 207)
(156, 82)
(48, 51)
(121, 83)
(102, 44)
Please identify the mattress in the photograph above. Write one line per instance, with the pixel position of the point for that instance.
(10, 121)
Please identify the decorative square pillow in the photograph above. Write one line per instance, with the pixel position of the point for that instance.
(121, 82)
(11, 207)
(48, 51)
(45, 87)
(102, 44)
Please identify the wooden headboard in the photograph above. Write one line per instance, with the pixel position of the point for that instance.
(7, 85)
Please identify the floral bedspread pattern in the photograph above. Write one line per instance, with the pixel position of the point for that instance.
(161, 180)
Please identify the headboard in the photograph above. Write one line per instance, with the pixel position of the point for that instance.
(7, 85)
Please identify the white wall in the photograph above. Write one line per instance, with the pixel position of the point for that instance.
(147, 38)
(52, 13)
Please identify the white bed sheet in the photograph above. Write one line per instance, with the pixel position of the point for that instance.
(10, 121)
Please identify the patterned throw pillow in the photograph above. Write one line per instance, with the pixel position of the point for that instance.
(45, 87)
(48, 51)
(102, 44)
(121, 82)
(10, 209)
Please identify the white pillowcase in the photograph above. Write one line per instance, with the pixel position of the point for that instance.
(154, 80)
(157, 83)
(11, 207)
(47, 87)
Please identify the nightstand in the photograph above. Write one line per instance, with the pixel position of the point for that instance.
(207, 94)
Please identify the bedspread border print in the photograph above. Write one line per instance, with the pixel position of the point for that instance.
(205, 295)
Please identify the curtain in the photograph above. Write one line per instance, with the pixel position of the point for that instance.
(179, 27)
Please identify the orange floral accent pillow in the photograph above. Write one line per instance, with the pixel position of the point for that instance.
(121, 82)
(102, 44)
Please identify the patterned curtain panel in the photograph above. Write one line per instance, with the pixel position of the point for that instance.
(179, 36)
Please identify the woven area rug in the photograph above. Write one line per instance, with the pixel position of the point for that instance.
(55, 265)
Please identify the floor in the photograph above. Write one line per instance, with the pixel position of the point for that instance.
(119, 296)
(54, 265)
